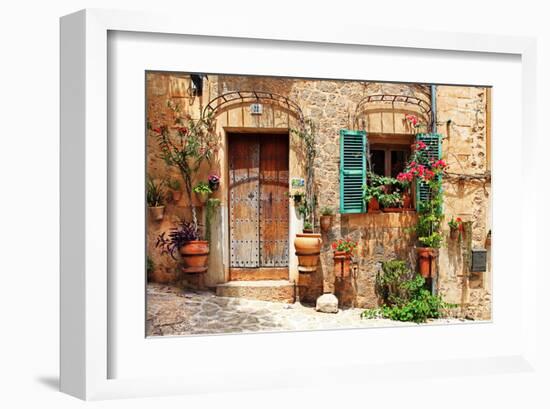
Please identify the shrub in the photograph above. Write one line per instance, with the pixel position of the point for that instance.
(404, 296)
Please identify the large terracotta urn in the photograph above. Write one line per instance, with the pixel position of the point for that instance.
(308, 248)
(194, 255)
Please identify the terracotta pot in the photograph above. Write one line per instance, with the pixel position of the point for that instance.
(326, 222)
(455, 233)
(176, 195)
(202, 197)
(156, 213)
(195, 256)
(373, 206)
(308, 248)
(407, 202)
(425, 257)
(342, 263)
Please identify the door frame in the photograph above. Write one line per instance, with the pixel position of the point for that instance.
(260, 273)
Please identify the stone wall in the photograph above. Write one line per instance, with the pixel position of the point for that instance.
(463, 121)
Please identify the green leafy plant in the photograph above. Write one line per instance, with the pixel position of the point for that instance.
(202, 188)
(155, 193)
(174, 184)
(394, 199)
(430, 215)
(186, 145)
(308, 225)
(374, 188)
(307, 135)
(211, 206)
(404, 296)
(150, 265)
(327, 211)
(455, 224)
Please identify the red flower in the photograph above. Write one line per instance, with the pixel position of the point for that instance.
(183, 130)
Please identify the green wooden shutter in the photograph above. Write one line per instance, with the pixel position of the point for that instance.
(433, 142)
(353, 168)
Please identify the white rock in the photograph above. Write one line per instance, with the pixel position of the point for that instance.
(327, 303)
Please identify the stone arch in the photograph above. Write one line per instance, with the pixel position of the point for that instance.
(394, 105)
(236, 99)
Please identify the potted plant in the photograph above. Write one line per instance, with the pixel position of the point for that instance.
(213, 182)
(343, 250)
(155, 199)
(297, 196)
(202, 191)
(422, 167)
(185, 240)
(372, 192)
(326, 218)
(175, 187)
(307, 244)
(186, 145)
(455, 226)
(391, 202)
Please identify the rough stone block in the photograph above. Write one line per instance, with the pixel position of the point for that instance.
(327, 303)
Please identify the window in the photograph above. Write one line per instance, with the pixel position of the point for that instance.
(389, 153)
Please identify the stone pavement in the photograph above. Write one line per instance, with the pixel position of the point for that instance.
(173, 311)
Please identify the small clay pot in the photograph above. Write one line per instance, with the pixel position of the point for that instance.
(373, 206)
(202, 197)
(407, 202)
(156, 213)
(342, 263)
(176, 195)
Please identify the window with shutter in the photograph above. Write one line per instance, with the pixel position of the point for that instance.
(433, 142)
(353, 166)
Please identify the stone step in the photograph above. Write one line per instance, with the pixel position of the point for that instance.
(263, 290)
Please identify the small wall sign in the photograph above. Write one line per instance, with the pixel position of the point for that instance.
(256, 109)
(297, 182)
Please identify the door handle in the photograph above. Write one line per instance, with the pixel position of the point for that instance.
(270, 197)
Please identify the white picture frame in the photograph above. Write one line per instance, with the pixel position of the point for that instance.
(85, 297)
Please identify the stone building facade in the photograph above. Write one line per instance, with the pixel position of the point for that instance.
(461, 115)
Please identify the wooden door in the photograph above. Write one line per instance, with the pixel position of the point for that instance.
(258, 206)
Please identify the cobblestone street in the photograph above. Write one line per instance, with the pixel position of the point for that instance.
(173, 311)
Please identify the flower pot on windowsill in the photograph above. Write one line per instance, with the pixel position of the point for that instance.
(308, 249)
(194, 256)
(326, 223)
(342, 263)
(425, 258)
(407, 202)
(373, 205)
(156, 212)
